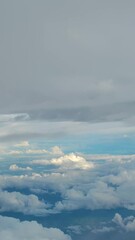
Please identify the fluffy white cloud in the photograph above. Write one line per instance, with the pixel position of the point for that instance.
(128, 223)
(106, 185)
(13, 229)
(14, 167)
(56, 150)
(17, 202)
(69, 161)
(100, 196)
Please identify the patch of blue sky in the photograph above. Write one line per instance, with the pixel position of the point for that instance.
(93, 144)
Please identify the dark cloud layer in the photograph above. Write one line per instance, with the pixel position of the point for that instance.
(71, 56)
(106, 112)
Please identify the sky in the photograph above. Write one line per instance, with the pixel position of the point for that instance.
(67, 111)
(69, 62)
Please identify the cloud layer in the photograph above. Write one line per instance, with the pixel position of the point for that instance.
(67, 60)
(13, 229)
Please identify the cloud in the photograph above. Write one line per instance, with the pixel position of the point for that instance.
(14, 167)
(99, 196)
(70, 161)
(36, 151)
(82, 183)
(56, 150)
(103, 230)
(26, 150)
(22, 144)
(13, 229)
(86, 50)
(14, 152)
(111, 158)
(75, 229)
(127, 224)
(39, 129)
(14, 117)
(26, 204)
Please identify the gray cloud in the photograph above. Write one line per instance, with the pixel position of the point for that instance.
(106, 112)
(58, 55)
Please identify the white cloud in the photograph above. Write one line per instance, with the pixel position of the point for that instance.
(36, 151)
(14, 167)
(77, 229)
(99, 196)
(22, 144)
(128, 224)
(14, 152)
(103, 230)
(13, 229)
(17, 202)
(118, 220)
(56, 150)
(52, 129)
(70, 161)
(25, 144)
(106, 185)
(110, 158)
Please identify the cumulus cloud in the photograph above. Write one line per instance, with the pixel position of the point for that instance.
(56, 150)
(127, 224)
(99, 196)
(82, 183)
(17, 202)
(13, 229)
(14, 167)
(69, 161)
